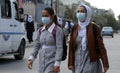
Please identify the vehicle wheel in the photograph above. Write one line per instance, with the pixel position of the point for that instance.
(21, 51)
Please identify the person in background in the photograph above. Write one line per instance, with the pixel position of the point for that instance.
(60, 21)
(66, 28)
(30, 28)
(85, 51)
(71, 24)
(51, 48)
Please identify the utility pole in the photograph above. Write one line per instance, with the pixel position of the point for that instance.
(51, 3)
(56, 7)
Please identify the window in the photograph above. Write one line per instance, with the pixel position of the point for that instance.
(16, 12)
(40, 1)
(6, 9)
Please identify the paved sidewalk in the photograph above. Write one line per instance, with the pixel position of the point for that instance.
(29, 44)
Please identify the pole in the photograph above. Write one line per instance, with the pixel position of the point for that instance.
(56, 6)
(51, 3)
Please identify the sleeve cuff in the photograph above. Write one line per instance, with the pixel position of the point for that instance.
(31, 58)
(57, 63)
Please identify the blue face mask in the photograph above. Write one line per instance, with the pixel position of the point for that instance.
(81, 16)
(45, 20)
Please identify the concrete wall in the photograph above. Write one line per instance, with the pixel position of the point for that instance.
(29, 8)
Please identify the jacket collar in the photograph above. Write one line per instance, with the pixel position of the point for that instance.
(50, 29)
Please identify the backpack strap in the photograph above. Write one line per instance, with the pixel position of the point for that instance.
(64, 43)
(40, 29)
(54, 32)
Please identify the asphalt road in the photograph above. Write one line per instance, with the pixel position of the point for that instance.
(9, 65)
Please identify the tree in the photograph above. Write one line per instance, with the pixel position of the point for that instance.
(100, 20)
(118, 22)
(119, 17)
(111, 21)
(102, 17)
(67, 12)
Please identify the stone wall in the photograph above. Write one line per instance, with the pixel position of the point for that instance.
(29, 8)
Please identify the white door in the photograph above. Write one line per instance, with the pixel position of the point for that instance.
(18, 34)
(18, 30)
(6, 27)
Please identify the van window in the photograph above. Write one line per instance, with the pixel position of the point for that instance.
(6, 9)
(16, 12)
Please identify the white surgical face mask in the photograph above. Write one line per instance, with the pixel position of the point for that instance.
(81, 16)
(45, 20)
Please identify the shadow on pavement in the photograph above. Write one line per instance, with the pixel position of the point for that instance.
(6, 60)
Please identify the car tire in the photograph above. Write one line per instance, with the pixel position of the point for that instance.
(21, 51)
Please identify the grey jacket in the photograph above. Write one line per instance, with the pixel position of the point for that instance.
(50, 50)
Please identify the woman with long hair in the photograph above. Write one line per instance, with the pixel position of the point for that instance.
(51, 48)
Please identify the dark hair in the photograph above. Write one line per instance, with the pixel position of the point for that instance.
(51, 12)
(84, 8)
(55, 19)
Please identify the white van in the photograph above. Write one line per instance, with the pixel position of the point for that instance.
(12, 31)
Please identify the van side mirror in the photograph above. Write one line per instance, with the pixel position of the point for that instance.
(20, 10)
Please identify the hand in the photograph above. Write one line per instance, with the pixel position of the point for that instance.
(105, 69)
(71, 68)
(30, 63)
(56, 69)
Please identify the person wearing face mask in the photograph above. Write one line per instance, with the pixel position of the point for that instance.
(30, 28)
(51, 49)
(84, 56)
